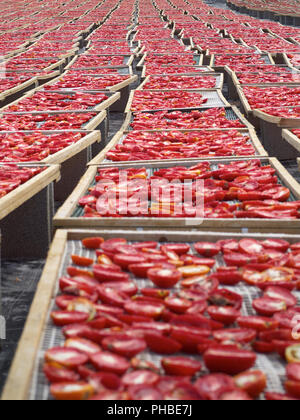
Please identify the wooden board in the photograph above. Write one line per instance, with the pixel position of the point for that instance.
(291, 138)
(279, 121)
(63, 217)
(18, 383)
(118, 138)
(24, 192)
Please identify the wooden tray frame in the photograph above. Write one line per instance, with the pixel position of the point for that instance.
(116, 140)
(217, 91)
(63, 217)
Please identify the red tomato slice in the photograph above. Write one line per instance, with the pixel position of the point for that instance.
(106, 274)
(266, 306)
(144, 393)
(207, 249)
(251, 247)
(162, 345)
(82, 261)
(109, 362)
(252, 382)
(156, 293)
(293, 388)
(226, 315)
(179, 249)
(125, 260)
(257, 323)
(67, 357)
(277, 244)
(140, 377)
(163, 277)
(177, 305)
(83, 345)
(148, 309)
(236, 335)
(70, 391)
(293, 371)
(282, 294)
(92, 243)
(228, 359)
(210, 387)
(182, 392)
(62, 318)
(141, 270)
(181, 366)
(235, 395)
(56, 374)
(127, 347)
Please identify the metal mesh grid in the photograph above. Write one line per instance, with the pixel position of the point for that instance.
(272, 365)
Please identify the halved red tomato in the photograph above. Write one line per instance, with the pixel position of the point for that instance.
(179, 249)
(181, 366)
(207, 249)
(126, 346)
(177, 305)
(293, 371)
(257, 323)
(110, 362)
(226, 315)
(293, 388)
(253, 382)
(92, 243)
(210, 387)
(67, 357)
(140, 377)
(83, 345)
(62, 318)
(125, 260)
(148, 309)
(161, 344)
(70, 391)
(236, 335)
(56, 374)
(282, 294)
(251, 247)
(266, 306)
(235, 395)
(82, 261)
(228, 359)
(277, 244)
(164, 278)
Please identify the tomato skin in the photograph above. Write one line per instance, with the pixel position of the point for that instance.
(264, 347)
(281, 293)
(58, 355)
(293, 371)
(179, 249)
(257, 323)
(70, 391)
(278, 244)
(110, 362)
(124, 346)
(125, 260)
(228, 359)
(148, 309)
(273, 396)
(164, 278)
(228, 277)
(82, 261)
(92, 243)
(237, 335)
(293, 388)
(56, 374)
(177, 305)
(266, 306)
(151, 292)
(250, 247)
(252, 382)
(107, 274)
(207, 249)
(162, 345)
(211, 386)
(181, 366)
(62, 318)
(226, 315)
(140, 270)
(235, 395)
(140, 377)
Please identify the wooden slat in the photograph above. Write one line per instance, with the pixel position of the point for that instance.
(24, 192)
